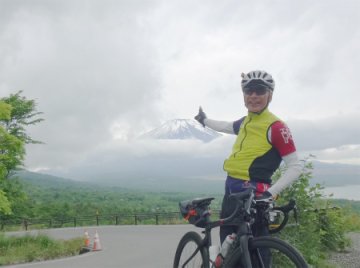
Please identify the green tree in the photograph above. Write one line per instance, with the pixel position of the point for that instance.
(5, 207)
(23, 113)
(16, 112)
(12, 152)
(8, 154)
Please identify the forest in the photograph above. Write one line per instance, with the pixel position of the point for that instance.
(50, 196)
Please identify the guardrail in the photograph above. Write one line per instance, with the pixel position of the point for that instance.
(91, 220)
(14, 223)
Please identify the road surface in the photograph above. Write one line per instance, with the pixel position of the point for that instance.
(136, 246)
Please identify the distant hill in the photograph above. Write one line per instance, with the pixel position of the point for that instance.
(150, 184)
(324, 173)
(182, 129)
(55, 197)
(46, 181)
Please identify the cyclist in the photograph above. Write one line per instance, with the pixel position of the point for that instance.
(262, 142)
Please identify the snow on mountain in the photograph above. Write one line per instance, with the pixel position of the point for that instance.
(182, 129)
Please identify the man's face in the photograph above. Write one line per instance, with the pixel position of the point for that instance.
(256, 101)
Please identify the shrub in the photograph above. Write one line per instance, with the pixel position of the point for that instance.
(321, 227)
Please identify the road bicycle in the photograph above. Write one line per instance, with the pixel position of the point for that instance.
(246, 251)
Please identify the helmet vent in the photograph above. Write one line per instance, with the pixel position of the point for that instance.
(262, 77)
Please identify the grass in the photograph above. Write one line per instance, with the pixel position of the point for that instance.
(28, 248)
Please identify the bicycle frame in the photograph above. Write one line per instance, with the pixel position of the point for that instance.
(244, 229)
(243, 218)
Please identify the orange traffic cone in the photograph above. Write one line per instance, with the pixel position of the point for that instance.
(97, 244)
(86, 247)
(86, 239)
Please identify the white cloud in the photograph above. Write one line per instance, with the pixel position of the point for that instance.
(102, 73)
(331, 132)
(346, 154)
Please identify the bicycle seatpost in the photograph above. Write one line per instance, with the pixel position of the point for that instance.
(247, 195)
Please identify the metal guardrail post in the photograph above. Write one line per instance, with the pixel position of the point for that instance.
(25, 224)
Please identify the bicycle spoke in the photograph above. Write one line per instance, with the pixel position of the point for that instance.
(270, 257)
(191, 256)
(267, 252)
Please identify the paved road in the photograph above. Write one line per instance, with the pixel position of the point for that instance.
(350, 257)
(122, 246)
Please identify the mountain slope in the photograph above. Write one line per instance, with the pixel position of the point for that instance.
(182, 129)
(114, 183)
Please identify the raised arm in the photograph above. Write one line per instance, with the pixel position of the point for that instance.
(220, 126)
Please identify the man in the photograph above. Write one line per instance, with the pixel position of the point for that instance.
(262, 142)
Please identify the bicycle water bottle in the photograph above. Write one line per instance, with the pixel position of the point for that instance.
(227, 244)
(213, 252)
(224, 249)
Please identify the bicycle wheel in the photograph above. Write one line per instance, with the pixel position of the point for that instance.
(190, 252)
(268, 252)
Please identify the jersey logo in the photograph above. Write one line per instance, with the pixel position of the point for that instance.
(286, 134)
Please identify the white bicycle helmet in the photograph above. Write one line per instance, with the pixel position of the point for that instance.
(257, 78)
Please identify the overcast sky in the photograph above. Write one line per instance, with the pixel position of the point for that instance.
(102, 72)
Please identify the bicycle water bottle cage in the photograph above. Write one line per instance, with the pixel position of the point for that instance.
(196, 211)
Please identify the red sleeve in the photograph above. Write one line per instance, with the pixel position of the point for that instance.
(281, 138)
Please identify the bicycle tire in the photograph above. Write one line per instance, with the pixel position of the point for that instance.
(282, 255)
(191, 253)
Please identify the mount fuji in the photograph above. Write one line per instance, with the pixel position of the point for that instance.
(182, 129)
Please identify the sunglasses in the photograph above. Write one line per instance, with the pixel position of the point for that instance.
(258, 91)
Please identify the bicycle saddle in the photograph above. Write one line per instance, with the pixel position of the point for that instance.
(202, 201)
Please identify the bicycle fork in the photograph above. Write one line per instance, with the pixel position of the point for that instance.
(244, 235)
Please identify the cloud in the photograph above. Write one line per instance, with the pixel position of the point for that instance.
(346, 154)
(139, 159)
(331, 132)
(87, 70)
(103, 72)
(298, 43)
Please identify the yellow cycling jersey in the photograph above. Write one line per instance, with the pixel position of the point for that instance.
(253, 157)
